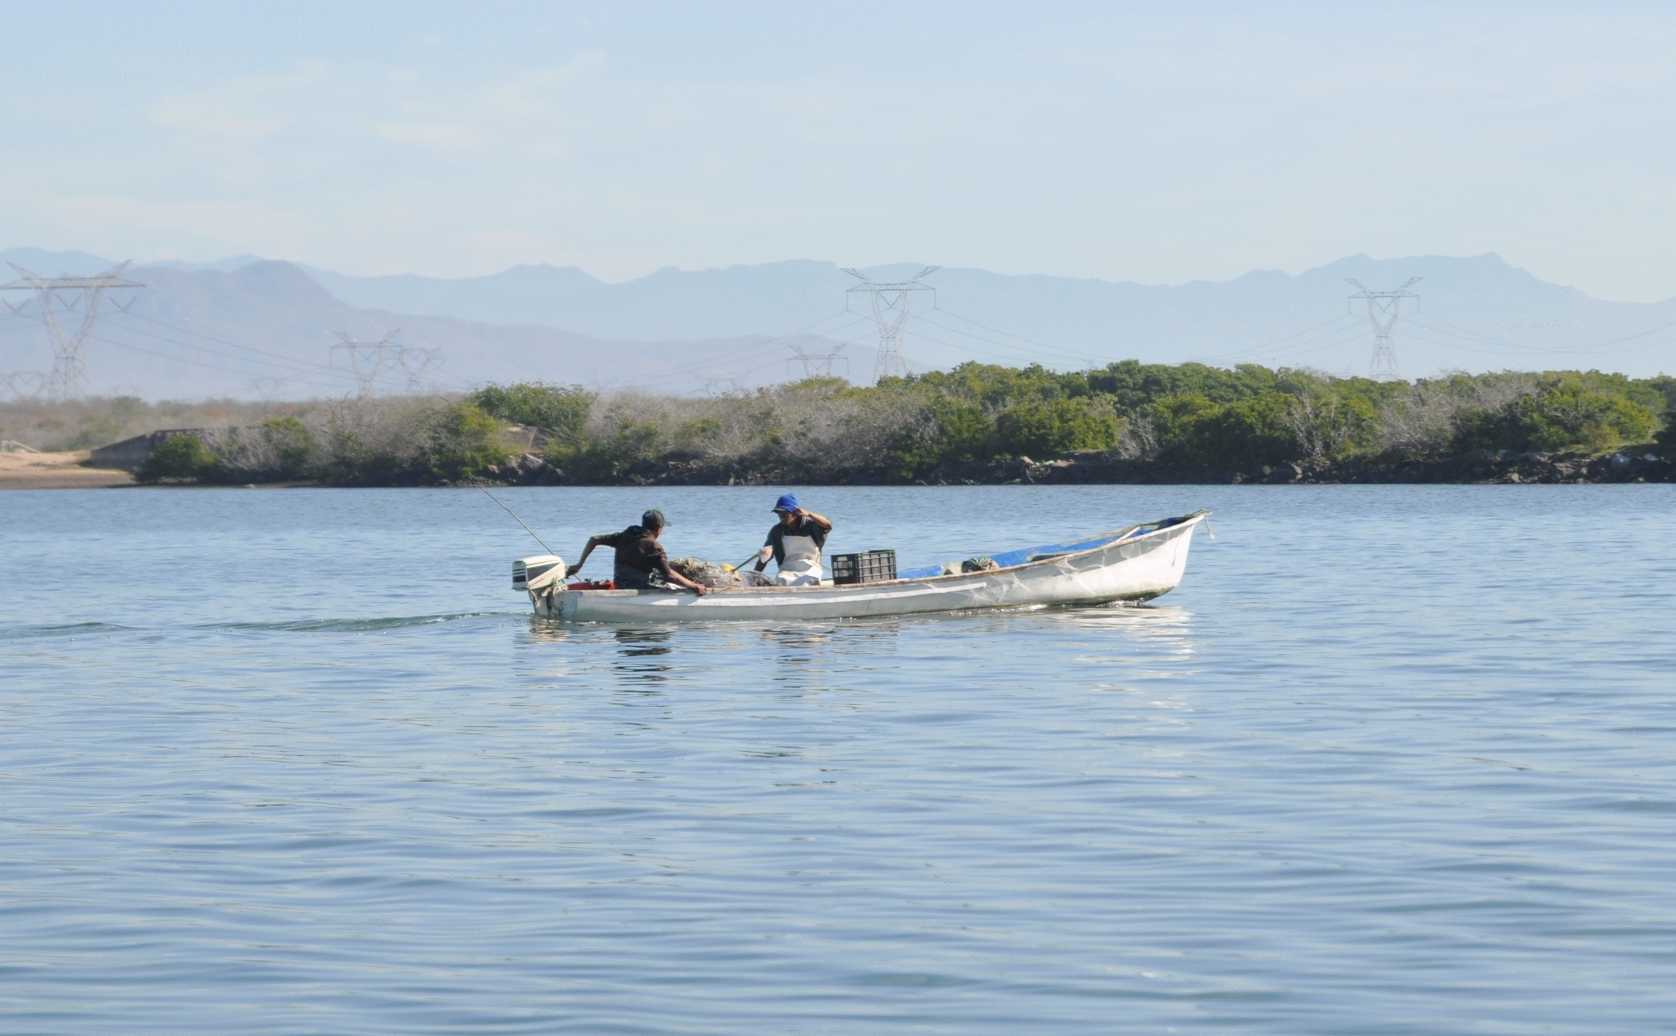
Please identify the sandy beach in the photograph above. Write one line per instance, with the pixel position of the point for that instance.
(57, 471)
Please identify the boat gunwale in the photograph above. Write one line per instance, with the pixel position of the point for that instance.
(1188, 520)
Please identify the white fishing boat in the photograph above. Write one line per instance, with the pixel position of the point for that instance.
(1137, 563)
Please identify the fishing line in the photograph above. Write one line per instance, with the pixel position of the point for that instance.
(517, 519)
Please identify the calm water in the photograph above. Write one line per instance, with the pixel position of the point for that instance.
(1392, 760)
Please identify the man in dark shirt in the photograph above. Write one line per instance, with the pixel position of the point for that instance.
(640, 556)
(796, 542)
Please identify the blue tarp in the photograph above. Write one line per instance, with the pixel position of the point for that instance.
(1019, 557)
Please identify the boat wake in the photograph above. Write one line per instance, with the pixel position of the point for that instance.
(393, 622)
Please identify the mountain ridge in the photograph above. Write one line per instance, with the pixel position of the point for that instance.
(561, 323)
(267, 329)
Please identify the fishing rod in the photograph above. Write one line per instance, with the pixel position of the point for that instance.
(517, 519)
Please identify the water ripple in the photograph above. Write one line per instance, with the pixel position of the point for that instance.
(1389, 762)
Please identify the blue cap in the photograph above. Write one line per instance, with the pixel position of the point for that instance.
(786, 503)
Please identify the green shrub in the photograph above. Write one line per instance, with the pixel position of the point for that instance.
(1567, 411)
(463, 441)
(1570, 412)
(941, 431)
(1133, 384)
(1060, 426)
(998, 387)
(1333, 423)
(1194, 430)
(180, 457)
(292, 445)
(557, 412)
(963, 432)
(612, 453)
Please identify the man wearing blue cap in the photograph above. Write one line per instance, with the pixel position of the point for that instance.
(640, 557)
(795, 542)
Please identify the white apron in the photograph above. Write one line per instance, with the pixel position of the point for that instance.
(802, 566)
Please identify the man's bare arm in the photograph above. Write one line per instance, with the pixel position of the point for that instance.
(680, 580)
(593, 541)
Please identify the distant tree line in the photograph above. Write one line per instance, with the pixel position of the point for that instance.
(927, 427)
(1190, 415)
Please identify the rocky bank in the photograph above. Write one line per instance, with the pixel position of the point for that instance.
(1638, 464)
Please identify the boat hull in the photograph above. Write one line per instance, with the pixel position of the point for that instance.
(1134, 569)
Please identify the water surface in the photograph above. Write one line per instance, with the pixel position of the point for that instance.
(1394, 759)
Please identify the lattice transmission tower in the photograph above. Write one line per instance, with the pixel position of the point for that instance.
(892, 306)
(819, 365)
(414, 362)
(21, 385)
(69, 309)
(1384, 307)
(371, 360)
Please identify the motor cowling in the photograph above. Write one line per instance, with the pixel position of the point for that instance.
(538, 573)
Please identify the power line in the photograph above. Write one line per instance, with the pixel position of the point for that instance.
(742, 371)
(697, 368)
(220, 341)
(764, 346)
(177, 359)
(1044, 350)
(1292, 353)
(752, 347)
(734, 374)
(1258, 349)
(967, 348)
(1472, 335)
(1049, 349)
(290, 365)
(292, 361)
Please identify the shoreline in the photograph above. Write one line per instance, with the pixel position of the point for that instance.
(1645, 463)
(1640, 464)
(62, 470)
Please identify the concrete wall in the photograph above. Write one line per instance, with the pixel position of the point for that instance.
(131, 453)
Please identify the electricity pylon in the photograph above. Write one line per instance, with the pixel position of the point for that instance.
(1384, 307)
(722, 386)
(60, 297)
(892, 306)
(369, 359)
(22, 385)
(414, 362)
(819, 365)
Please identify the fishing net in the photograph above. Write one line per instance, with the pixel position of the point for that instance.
(705, 573)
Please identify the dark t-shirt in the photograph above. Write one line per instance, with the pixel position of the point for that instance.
(638, 554)
(801, 527)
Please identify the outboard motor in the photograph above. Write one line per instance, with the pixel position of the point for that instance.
(538, 573)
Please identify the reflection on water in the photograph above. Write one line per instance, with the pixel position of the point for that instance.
(634, 641)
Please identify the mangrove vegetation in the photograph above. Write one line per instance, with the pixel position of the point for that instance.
(977, 422)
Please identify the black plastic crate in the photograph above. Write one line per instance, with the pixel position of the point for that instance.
(869, 566)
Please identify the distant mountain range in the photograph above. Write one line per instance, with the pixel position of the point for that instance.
(247, 326)
(265, 328)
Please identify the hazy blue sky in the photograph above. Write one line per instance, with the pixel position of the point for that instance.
(1111, 141)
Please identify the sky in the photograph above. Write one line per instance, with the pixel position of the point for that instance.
(1147, 142)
